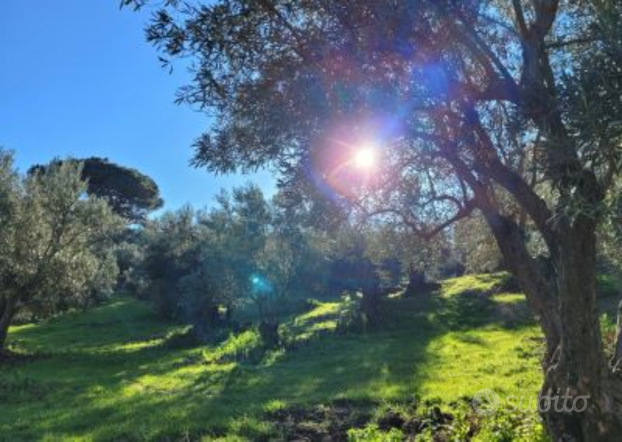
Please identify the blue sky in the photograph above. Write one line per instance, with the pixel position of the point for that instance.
(77, 78)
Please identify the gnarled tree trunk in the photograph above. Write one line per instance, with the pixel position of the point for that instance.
(578, 365)
(565, 302)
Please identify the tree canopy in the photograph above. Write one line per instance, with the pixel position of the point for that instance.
(56, 245)
(130, 193)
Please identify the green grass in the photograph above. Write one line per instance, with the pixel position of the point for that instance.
(474, 283)
(115, 372)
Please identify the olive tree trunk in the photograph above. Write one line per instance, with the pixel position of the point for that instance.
(7, 311)
(564, 299)
(578, 365)
(4, 331)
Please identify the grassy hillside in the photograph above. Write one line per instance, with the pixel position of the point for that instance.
(117, 372)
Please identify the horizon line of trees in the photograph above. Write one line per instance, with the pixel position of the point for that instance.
(65, 245)
(68, 242)
(203, 267)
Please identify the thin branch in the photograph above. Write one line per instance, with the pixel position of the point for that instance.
(546, 12)
(426, 235)
(520, 18)
(575, 41)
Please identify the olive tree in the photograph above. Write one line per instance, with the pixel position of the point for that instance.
(171, 251)
(197, 263)
(456, 96)
(55, 242)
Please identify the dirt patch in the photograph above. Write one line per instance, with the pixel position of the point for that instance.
(331, 422)
(321, 422)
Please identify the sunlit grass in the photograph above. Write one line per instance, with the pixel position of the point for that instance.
(509, 298)
(472, 283)
(322, 317)
(460, 364)
(112, 373)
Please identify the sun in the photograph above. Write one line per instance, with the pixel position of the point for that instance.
(365, 158)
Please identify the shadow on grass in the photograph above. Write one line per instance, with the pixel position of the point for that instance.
(121, 321)
(110, 377)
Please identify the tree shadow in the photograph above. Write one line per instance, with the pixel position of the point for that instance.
(198, 398)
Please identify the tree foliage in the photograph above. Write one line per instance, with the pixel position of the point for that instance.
(55, 243)
(130, 193)
(476, 245)
(201, 266)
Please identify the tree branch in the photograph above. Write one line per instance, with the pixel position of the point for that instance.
(520, 18)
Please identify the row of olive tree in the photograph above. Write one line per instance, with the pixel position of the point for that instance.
(201, 266)
(56, 243)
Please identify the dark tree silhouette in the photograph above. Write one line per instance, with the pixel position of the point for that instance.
(130, 193)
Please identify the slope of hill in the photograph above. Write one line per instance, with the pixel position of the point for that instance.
(118, 373)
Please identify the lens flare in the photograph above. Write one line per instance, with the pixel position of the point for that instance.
(365, 158)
